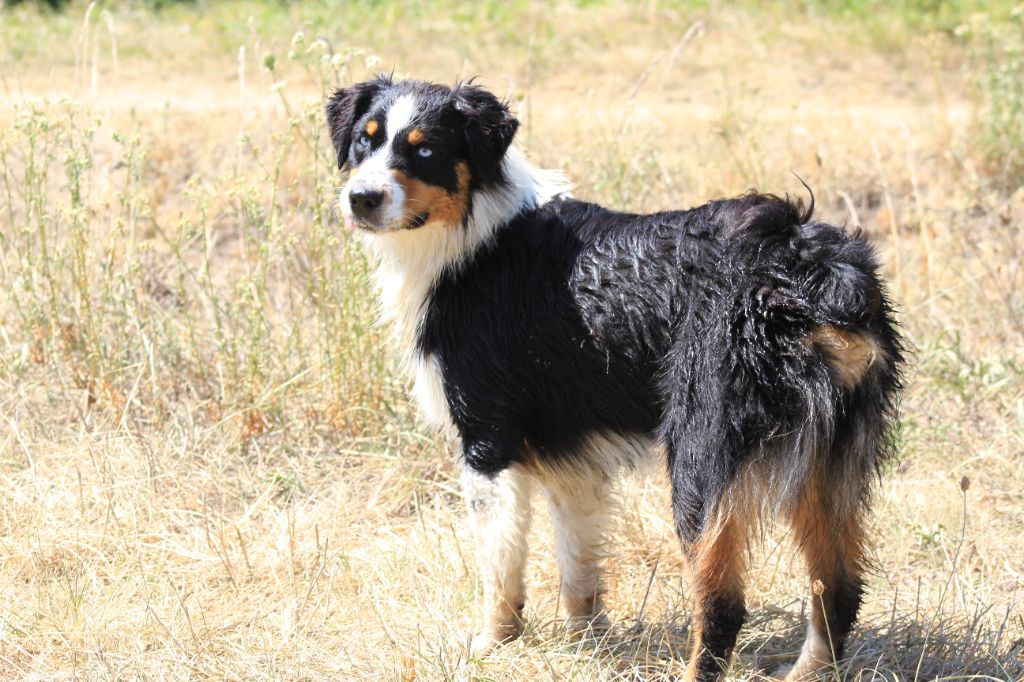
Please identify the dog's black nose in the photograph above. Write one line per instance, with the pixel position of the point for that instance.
(364, 201)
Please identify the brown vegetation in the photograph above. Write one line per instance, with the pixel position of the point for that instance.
(209, 468)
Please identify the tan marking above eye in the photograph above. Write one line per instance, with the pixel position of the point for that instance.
(371, 127)
(416, 136)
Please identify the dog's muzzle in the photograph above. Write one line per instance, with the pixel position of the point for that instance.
(374, 202)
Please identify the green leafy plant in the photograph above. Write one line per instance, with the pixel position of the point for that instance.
(997, 73)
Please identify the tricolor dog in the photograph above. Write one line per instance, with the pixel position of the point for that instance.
(749, 345)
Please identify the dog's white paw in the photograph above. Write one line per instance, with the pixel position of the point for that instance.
(801, 671)
(482, 644)
(485, 642)
(587, 626)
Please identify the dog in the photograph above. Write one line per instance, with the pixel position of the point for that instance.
(754, 348)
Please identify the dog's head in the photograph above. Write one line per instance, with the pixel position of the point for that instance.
(416, 151)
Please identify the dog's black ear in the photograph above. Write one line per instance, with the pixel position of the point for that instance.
(345, 107)
(488, 126)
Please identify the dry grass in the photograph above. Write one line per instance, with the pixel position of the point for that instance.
(208, 465)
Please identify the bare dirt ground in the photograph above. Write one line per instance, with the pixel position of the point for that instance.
(209, 468)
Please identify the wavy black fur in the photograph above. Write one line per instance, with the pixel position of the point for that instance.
(689, 327)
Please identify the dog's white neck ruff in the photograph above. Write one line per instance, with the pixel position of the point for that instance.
(409, 262)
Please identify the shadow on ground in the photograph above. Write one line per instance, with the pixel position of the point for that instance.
(897, 649)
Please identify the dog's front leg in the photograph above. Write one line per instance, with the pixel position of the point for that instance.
(499, 511)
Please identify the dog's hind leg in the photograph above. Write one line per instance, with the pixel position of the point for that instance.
(579, 509)
(716, 581)
(831, 538)
(713, 529)
(713, 517)
(499, 510)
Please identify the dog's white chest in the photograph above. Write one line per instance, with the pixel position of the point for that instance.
(403, 305)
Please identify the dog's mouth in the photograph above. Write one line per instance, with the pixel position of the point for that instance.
(353, 223)
(418, 220)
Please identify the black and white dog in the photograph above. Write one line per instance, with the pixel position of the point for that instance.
(561, 341)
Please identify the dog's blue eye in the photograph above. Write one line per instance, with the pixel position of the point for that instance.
(424, 152)
(363, 141)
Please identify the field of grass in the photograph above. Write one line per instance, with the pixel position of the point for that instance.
(209, 465)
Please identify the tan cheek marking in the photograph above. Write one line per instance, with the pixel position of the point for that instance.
(371, 127)
(460, 200)
(850, 354)
(445, 207)
(416, 136)
(463, 176)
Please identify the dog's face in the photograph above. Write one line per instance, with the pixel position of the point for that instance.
(416, 151)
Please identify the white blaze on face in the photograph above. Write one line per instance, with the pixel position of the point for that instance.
(374, 174)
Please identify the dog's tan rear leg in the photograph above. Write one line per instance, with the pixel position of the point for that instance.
(716, 567)
(832, 544)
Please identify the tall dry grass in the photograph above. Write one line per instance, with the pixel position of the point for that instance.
(208, 464)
